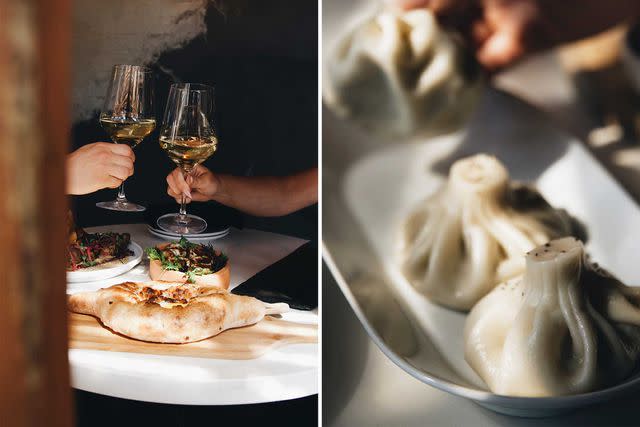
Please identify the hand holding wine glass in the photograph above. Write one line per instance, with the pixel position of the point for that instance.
(201, 185)
(189, 138)
(110, 164)
(128, 117)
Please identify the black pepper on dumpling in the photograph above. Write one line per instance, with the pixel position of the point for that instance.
(569, 327)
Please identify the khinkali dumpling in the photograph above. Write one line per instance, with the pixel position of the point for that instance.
(399, 73)
(472, 234)
(565, 327)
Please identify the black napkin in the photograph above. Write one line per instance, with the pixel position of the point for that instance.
(293, 279)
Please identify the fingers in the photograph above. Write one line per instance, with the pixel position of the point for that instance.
(439, 7)
(113, 182)
(177, 196)
(480, 32)
(119, 172)
(122, 150)
(505, 32)
(500, 50)
(448, 7)
(196, 187)
(409, 4)
(122, 161)
(177, 185)
(196, 196)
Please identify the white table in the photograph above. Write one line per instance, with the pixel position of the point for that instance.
(287, 372)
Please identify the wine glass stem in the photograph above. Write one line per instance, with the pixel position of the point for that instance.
(121, 197)
(182, 216)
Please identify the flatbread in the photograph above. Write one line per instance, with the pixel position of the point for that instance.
(170, 313)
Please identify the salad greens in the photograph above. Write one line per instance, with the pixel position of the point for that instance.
(190, 258)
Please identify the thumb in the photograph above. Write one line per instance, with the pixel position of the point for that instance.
(500, 50)
(182, 184)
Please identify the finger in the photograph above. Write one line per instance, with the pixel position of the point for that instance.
(175, 194)
(119, 172)
(408, 4)
(172, 186)
(100, 144)
(500, 50)
(480, 32)
(178, 197)
(172, 192)
(123, 161)
(122, 150)
(448, 7)
(113, 182)
(511, 24)
(180, 185)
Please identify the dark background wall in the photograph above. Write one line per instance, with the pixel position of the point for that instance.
(262, 61)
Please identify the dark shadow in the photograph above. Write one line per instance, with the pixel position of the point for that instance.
(487, 133)
(94, 410)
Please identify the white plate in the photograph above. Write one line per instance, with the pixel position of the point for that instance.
(108, 269)
(368, 191)
(193, 237)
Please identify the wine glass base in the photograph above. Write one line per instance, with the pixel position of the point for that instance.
(122, 206)
(192, 224)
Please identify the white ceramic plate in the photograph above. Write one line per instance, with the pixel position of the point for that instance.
(109, 269)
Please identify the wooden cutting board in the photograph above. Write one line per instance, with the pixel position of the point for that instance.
(250, 342)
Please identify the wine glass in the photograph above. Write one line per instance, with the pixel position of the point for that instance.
(127, 116)
(189, 138)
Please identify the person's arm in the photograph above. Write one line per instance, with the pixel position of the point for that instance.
(503, 31)
(97, 166)
(259, 196)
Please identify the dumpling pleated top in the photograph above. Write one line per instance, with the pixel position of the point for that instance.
(473, 233)
(564, 327)
(398, 73)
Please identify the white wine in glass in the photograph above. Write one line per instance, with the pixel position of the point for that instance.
(128, 117)
(187, 152)
(127, 131)
(189, 138)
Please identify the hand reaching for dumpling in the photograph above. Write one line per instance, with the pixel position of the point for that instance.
(503, 31)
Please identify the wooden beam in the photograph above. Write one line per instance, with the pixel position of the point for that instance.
(54, 51)
(34, 124)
